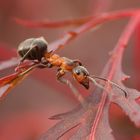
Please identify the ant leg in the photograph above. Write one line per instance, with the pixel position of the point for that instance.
(22, 59)
(76, 61)
(28, 70)
(20, 67)
(44, 63)
(79, 97)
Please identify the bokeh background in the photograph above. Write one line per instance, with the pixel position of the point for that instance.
(31, 103)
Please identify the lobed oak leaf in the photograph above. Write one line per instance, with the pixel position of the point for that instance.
(93, 118)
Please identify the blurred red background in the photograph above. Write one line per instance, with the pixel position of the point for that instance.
(36, 98)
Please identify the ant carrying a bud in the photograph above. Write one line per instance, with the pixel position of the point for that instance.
(36, 50)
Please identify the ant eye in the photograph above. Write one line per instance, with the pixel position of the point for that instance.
(78, 72)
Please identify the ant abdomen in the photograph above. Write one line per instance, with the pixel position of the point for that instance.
(33, 49)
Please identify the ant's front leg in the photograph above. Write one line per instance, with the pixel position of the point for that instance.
(60, 74)
(25, 65)
(79, 97)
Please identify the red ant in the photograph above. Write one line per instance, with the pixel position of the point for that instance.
(36, 49)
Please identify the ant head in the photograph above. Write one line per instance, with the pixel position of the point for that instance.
(81, 74)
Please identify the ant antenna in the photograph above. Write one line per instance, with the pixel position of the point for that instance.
(97, 84)
(109, 81)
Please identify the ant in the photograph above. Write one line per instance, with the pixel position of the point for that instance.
(36, 50)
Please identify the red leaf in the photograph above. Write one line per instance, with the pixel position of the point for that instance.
(137, 56)
(9, 82)
(93, 118)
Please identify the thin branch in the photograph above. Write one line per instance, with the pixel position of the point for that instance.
(52, 24)
(93, 23)
(70, 22)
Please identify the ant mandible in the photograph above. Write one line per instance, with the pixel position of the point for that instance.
(36, 49)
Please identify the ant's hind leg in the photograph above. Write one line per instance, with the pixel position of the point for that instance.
(78, 62)
(79, 97)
